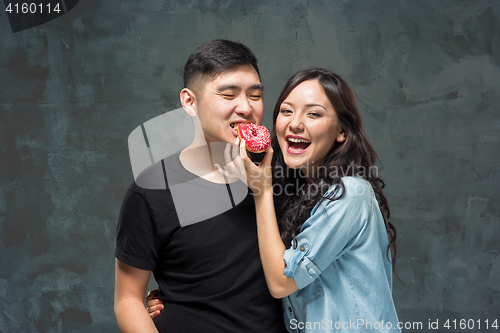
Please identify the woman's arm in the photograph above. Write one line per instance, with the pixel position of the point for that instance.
(130, 288)
(271, 247)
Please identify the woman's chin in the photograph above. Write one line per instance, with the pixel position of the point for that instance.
(294, 164)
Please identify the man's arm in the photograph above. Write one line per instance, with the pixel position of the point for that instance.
(130, 287)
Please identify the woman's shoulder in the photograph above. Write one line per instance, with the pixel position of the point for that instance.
(353, 186)
(357, 191)
(356, 184)
(356, 198)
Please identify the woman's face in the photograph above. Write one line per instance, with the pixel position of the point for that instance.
(307, 126)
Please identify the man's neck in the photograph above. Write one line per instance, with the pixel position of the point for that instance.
(200, 160)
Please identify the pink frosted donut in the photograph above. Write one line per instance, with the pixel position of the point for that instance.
(256, 137)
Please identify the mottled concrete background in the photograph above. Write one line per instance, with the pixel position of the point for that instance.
(427, 78)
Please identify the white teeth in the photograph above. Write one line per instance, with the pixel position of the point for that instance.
(295, 140)
(234, 125)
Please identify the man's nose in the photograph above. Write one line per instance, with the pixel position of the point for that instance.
(243, 108)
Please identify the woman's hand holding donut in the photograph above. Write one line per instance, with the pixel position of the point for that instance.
(235, 163)
(257, 178)
(260, 178)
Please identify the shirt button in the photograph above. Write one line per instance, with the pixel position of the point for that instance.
(302, 248)
(290, 308)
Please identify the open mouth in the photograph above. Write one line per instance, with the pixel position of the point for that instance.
(235, 124)
(297, 145)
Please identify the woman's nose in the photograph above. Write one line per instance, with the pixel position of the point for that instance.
(296, 124)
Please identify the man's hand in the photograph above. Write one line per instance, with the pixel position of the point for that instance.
(155, 306)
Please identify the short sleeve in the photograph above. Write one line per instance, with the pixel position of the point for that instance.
(331, 230)
(137, 241)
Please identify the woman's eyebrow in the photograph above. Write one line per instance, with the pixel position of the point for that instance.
(314, 104)
(307, 105)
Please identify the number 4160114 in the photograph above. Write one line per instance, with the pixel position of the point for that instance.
(470, 324)
(32, 8)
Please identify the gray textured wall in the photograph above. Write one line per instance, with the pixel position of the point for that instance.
(427, 78)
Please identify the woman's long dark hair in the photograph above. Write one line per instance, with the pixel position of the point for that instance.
(354, 156)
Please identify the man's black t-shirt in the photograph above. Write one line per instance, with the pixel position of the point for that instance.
(209, 273)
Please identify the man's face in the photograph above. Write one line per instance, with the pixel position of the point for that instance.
(232, 97)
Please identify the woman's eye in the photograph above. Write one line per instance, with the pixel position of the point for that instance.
(314, 114)
(285, 111)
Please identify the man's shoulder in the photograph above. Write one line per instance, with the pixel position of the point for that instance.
(152, 178)
(155, 177)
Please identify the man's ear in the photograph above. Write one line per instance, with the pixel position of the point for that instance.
(188, 101)
(341, 137)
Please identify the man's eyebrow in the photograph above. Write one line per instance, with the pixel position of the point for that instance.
(223, 87)
(257, 87)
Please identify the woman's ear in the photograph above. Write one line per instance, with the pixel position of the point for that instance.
(188, 101)
(341, 136)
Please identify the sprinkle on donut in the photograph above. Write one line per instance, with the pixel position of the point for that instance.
(256, 137)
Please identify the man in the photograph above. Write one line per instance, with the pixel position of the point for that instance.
(208, 269)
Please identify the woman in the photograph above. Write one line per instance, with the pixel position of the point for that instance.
(327, 251)
(327, 254)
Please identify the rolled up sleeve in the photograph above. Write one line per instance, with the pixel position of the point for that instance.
(136, 237)
(331, 230)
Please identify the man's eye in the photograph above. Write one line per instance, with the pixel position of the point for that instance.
(255, 97)
(228, 96)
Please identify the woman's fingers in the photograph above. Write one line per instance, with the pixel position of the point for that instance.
(155, 314)
(152, 294)
(266, 161)
(243, 153)
(227, 154)
(154, 305)
(155, 311)
(220, 170)
(231, 157)
(234, 167)
(155, 308)
(227, 170)
(235, 147)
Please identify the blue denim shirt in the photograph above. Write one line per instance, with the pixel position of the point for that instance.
(341, 267)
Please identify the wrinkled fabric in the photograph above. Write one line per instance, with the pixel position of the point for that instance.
(341, 267)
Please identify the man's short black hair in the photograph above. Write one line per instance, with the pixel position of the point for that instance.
(215, 57)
